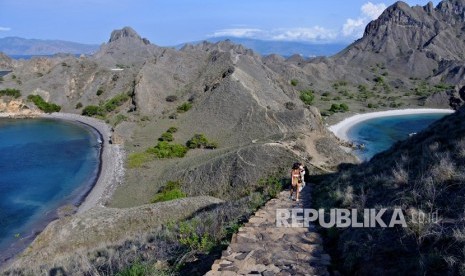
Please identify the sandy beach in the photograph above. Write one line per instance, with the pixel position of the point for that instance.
(340, 129)
(112, 157)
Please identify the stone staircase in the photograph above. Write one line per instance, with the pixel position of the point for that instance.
(261, 248)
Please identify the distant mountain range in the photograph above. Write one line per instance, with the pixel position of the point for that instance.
(283, 48)
(16, 46)
(21, 46)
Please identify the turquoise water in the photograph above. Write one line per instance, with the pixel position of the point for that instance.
(381, 133)
(44, 164)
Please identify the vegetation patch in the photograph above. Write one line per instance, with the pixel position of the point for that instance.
(307, 96)
(106, 107)
(172, 190)
(166, 150)
(294, 82)
(138, 159)
(43, 105)
(15, 93)
(200, 141)
(184, 107)
(343, 107)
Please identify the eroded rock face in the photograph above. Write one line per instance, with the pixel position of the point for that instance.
(126, 32)
(17, 108)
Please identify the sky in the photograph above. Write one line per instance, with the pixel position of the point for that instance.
(171, 22)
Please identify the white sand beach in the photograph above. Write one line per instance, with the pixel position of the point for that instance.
(112, 157)
(340, 129)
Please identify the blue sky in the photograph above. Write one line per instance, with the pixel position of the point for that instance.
(170, 22)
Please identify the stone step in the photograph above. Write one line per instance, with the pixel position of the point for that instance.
(261, 248)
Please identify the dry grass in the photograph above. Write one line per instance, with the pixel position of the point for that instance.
(422, 176)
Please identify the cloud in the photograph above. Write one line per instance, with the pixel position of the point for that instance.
(373, 11)
(238, 32)
(5, 29)
(354, 27)
(313, 34)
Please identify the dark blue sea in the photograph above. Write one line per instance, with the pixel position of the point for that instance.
(381, 133)
(44, 164)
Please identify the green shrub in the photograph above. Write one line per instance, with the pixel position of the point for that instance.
(167, 136)
(339, 108)
(100, 92)
(15, 93)
(189, 237)
(43, 105)
(172, 190)
(294, 82)
(1, 79)
(344, 107)
(78, 105)
(137, 269)
(137, 159)
(166, 150)
(307, 97)
(116, 101)
(184, 107)
(93, 110)
(200, 141)
(172, 130)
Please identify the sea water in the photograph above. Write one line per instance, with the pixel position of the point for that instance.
(379, 134)
(44, 164)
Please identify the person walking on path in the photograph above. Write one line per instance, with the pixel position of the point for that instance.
(296, 181)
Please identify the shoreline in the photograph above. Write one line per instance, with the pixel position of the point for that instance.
(340, 129)
(109, 175)
(111, 167)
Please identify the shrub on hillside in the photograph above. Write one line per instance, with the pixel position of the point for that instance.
(184, 107)
(78, 105)
(15, 93)
(294, 82)
(116, 101)
(172, 130)
(339, 107)
(172, 190)
(93, 110)
(200, 141)
(167, 136)
(43, 105)
(166, 150)
(307, 96)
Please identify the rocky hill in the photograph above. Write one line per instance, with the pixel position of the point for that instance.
(252, 111)
(223, 91)
(22, 46)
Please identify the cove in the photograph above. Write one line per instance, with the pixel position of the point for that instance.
(379, 134)
(44, 164)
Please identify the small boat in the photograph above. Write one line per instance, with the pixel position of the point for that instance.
(411, 134)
